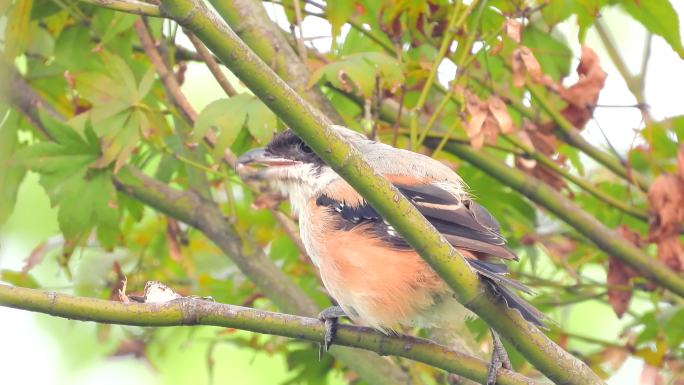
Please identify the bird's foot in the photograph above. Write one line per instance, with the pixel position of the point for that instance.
(499, 359)
(329, 316)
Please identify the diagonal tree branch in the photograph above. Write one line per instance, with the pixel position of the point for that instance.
(249, 20)
(211, 63)
(171, 85)
(187, 311)
(315, 129)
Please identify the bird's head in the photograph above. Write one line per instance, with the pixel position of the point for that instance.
(290, 165)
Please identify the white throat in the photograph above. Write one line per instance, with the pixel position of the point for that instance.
(304, 181)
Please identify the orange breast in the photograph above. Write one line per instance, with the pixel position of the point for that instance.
(376, 285)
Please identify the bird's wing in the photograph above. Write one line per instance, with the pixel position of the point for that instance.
(463, 222)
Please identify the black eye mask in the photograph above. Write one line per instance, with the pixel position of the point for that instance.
(290, 146)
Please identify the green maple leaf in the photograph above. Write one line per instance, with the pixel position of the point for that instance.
(85, 196)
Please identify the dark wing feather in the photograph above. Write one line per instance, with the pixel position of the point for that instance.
(464, 223)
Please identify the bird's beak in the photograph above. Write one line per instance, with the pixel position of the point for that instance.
(261, 157)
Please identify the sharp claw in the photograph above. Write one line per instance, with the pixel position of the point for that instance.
(499, 359)
(330, 331)
(494, 366)
(329, 317)
(505, 362)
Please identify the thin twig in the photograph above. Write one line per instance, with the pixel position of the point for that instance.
(457, 18)
(433, 118)
(211, 63)
(129, 6)
(301, 48)
(170, 83)
(635, 83)
(27, 101)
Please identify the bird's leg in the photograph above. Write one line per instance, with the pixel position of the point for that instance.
(329, 316)
(499, 359)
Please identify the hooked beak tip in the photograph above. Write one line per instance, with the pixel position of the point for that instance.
(255, 155)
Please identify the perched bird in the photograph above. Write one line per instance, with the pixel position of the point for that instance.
(375, 276)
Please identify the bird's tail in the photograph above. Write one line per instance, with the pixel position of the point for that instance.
(496, 275)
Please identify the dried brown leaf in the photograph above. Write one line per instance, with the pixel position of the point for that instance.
(36, 256)
(650, 375)
(525, 63)
(513, 29)
(498, 109)
(583, 95)
(666, 200)
(517, 70)
(118, 290)
(531, 63)
(523, 162)
(478, 112)
(134, 347)
(671, 253)
(490, 130)
(550, 177)
(630, 235)
(268, 200)
(496, 49)
(560, 247)
(546, 144)
(173, 236)
(486, 119)
(618, 275)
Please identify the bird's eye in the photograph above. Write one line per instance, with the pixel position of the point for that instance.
(305, 148)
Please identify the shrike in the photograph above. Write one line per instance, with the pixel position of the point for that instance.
(375, 276)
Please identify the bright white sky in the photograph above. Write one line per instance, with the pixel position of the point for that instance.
(31, 356)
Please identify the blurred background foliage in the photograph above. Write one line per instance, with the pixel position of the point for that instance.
(509, 78)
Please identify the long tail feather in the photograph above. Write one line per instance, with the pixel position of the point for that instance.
(496, 275)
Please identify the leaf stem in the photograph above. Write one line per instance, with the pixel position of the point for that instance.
(457, 18)
(433, 117)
